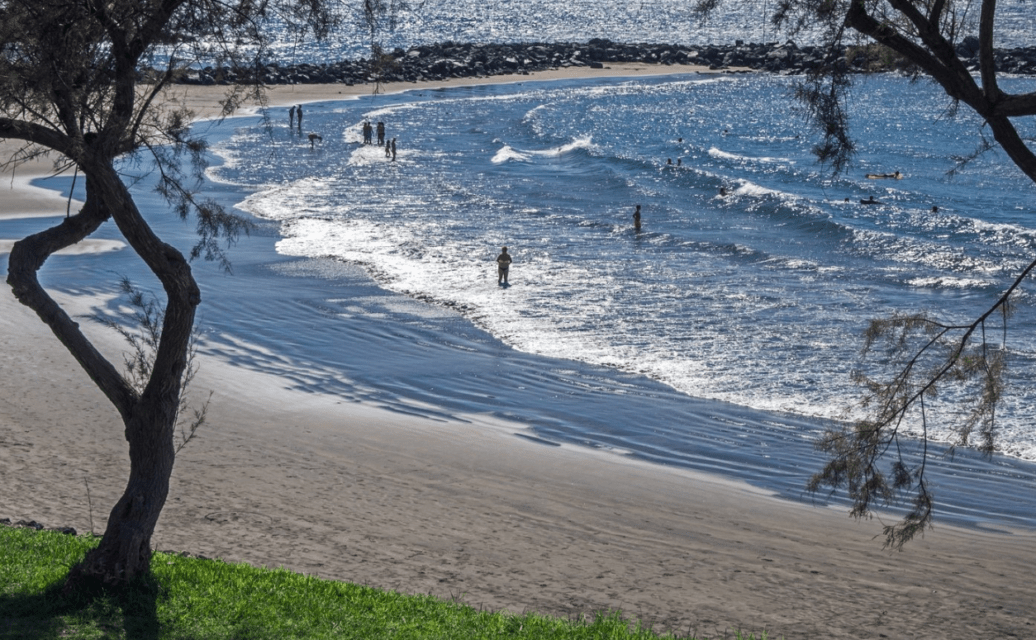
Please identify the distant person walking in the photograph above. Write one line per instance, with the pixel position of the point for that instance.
(503, 264)
(393, 149)
(298, 113)
(291, 117)
(381, 133)
(636, 219)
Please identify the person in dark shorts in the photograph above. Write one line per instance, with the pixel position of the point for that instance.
(503, 263)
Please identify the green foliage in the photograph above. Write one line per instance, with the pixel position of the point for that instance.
(918, 360)
(194, 598)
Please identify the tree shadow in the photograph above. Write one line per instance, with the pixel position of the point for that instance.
(55, 612)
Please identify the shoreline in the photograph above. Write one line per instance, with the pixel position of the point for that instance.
(20, 199)
(459, 505)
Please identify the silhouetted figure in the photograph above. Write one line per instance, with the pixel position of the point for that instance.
(935, 209)
(723, 191)
(869, 200)
(679, 161)
(313, 138)
(669, 161)
(388, 149)
(381, 133)
(291, 117)
(503, 264)
(393, 149)
(636, 219)
(367, 132)
(298, 113)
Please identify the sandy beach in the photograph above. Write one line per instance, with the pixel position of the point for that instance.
(462, 508)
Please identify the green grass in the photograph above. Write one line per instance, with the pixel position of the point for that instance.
(191, 598)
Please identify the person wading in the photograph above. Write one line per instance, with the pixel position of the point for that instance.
(503, 264)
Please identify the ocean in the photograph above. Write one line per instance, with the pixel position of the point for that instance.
(648, 21)
(721, 337)
(757, 298)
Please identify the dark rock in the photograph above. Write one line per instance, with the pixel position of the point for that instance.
(458, 60)
(968, 47)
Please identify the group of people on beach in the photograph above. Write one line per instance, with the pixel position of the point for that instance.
(295, 124)
(368, 138)
(295, 114)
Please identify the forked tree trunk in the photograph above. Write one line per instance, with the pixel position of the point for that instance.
(149, 416)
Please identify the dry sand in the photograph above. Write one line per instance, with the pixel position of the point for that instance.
(465, 509)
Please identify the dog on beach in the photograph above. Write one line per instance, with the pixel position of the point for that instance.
(313, 138)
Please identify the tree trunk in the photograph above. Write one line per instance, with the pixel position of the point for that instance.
(125, 549)
(149, 415)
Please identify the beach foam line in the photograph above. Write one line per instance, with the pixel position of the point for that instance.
(85, 247)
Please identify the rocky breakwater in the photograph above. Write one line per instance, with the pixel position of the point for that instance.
(456, 60)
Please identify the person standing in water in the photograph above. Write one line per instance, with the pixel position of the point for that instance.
(299, 114)
(291, 117)
(503, 264)
(393, 149)
(636, 219)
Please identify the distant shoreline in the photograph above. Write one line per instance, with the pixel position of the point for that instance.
(450, 60)
(21, 199)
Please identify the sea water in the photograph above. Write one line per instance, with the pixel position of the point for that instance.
(723, 335)
(756, 298)
(649, 21)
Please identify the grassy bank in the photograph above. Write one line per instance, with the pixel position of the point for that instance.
(210, 599)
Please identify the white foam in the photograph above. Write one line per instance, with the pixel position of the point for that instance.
(507, 153)
(84, 247)
(725, 155)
